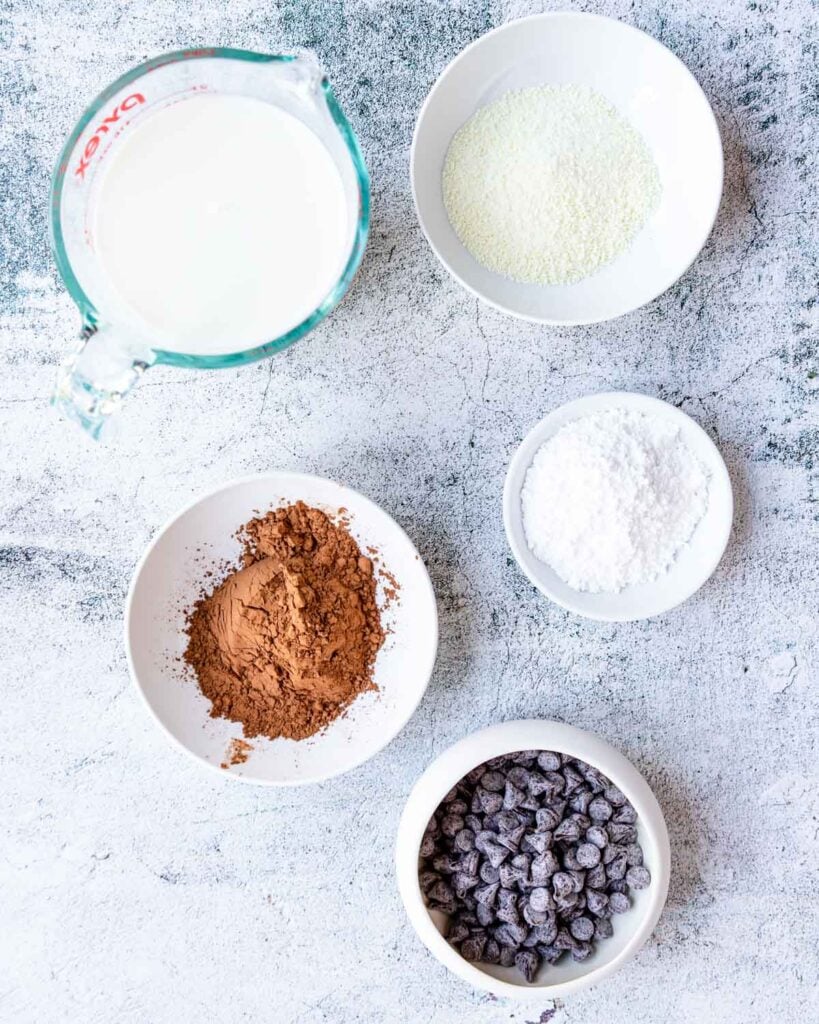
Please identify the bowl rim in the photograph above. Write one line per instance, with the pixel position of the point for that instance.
(587, 405)
(424, 674)
(719, 180)
(451, 765)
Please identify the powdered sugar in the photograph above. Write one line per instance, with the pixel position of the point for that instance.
(611, 498)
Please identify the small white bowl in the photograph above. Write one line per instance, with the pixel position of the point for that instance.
(171, 576)
(694, 563)
(649, 86)
(631, 930)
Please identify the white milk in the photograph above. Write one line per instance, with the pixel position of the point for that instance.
(222, 223)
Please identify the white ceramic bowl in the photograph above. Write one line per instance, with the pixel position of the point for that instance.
(649, 86)
(170, 576)
(631, 929)
(694, 563)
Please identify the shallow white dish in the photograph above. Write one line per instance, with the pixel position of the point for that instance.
(695, 562)
(649, 86)
(170, 577)
(631, 930)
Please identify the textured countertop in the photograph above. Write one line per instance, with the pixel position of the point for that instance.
(135, 887)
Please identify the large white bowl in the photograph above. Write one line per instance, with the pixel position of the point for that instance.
(649, 86)
(631, 929)
(694, 563)
(171, 576)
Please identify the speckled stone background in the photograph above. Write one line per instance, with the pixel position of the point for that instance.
(135, 887)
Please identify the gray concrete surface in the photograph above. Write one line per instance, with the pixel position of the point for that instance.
(136, 888)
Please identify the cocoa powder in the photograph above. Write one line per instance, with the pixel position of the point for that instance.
(287, 642)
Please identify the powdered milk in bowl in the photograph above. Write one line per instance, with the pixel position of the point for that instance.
(617, 506)
(566, 168)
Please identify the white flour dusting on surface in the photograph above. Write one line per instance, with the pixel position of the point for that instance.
(611, 498)
(548, 184)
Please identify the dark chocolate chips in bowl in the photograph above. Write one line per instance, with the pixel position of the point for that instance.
(530, 856)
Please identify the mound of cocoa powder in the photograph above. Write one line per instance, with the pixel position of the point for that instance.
(287, 642)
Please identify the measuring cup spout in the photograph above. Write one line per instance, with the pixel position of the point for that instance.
(97, 374)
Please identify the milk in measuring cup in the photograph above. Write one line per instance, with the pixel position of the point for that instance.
(221, 223)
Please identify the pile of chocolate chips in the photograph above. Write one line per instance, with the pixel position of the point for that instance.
(530, 855)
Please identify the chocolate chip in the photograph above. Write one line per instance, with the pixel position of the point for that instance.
(634, 855)
(600, 810)
(451, 825)
(491, 954)
(622, 834)
(567, 831)
(465, 840)
(496, 854)
(550, 954)
(512, 840)
(597, 902)
(548, 819)
(596, 878)
(563, 939)
(597, 835)
(580, 800)
(603, 928)
(461, 884)
(445, 863)
(625, 815)
(507, 907)
(508, 875)
(614, 796)
(512, 797)
(485, 915)
(619, 902)
(527, 963)
(581, 950)
(582, 928)
(547, 932)
(578, 880)
(541, 899)
(486, 894)
(562, 884)
(616, 869)
(427, 846)
(518, 776)
(491, 802)
(517, 932)
(493, 782)
(548, 761)
(469, 863)
(538, 784)
(612, 852)
(488, 873)
(588, 855)
(536, 842)
(507, 956)
(638, 877)
(441, 893)
(473, 947)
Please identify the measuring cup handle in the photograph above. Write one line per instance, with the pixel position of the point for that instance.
(97, 374)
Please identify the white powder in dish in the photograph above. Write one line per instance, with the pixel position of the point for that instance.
(548, 184)
(611, 498)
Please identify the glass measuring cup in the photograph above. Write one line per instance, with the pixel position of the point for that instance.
(115, 346)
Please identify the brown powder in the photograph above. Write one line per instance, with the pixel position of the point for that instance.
(286, 643)
(238, 752)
